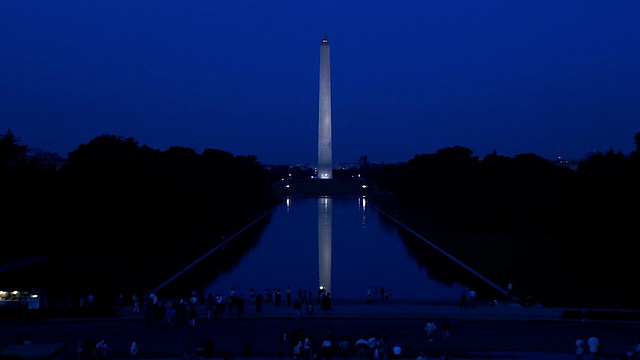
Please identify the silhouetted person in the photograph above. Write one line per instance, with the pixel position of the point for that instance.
(259, 301)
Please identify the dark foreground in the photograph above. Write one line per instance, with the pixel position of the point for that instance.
(505, 331)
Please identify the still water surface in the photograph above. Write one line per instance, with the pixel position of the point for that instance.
(345, 245)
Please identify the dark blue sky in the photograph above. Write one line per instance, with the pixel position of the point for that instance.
(546, 77)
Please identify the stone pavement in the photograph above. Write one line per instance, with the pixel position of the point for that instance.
(540, 332)
(423, 310)
(411, 310)
(417, 310)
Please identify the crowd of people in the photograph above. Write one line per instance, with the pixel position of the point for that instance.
(181, 311)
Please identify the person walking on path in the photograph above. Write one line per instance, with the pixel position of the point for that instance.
(472, 298)
(307, 351)
(430, 329)
(396, 351)
(579, 347)
(463, 299)
(286, 342)
(210, 301)
(80, 349)
(133, 348)
(101, 350)
(297, 350)
(634, 350)
(446, 329)
(192, 314)
(363, 347)
(297, 309)
(259, 300)
(326, 350)
(594, 346)
(310, 310)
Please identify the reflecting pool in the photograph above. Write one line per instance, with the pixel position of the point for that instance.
(343, 244)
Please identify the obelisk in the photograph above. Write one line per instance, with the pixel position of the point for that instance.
(325, 165)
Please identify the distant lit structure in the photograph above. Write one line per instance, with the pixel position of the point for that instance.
(571, 164)
(46, 158)
(325, 161)
(19, 299)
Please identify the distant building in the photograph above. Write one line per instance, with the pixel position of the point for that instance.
(46, 158)
(571, 164)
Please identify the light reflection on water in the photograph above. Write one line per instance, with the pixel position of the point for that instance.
(343, 244)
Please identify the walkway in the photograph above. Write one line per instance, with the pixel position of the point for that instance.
(484, 332)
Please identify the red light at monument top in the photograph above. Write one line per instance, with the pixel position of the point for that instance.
(324, 40)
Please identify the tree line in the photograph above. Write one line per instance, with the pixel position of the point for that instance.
(563, 236)
(120, 210)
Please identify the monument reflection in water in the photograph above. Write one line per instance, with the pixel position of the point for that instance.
(325, 207)
(344, 245)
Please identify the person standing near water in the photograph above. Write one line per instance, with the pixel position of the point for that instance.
(430, 329)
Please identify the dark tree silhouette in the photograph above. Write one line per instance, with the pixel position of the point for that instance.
(116, 210)
(11, 152)
(526, 219)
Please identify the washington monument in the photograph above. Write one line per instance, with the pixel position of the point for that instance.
(325, 165)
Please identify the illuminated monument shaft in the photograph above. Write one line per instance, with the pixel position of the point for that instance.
(325, 165)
